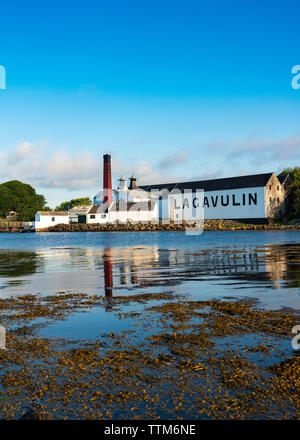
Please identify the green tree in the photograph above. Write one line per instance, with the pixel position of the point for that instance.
(294, 191)
(64, 206)
(20, 197)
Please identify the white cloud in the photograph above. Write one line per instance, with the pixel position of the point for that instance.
(44, 167)
(24, 150)
(40, 165)
(174, 160)
(65, 170)
(209, 175)
(265, 149)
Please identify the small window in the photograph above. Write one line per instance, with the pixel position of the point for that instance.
(270, 199)
(277, 187)
(53, 219)
(92, 216)
(270, 187)
(277, 199)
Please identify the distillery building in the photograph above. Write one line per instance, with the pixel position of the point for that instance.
(253, 197)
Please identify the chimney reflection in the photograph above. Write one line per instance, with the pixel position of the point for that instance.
(108, 272)
(127, 262)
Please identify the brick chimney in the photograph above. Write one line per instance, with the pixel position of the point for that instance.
(107, 191)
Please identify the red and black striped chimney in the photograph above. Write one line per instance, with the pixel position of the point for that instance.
(107, 191)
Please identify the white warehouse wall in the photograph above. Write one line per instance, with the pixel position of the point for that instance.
(44, 221)
(125, 216)
(244, 203)
(247, 210)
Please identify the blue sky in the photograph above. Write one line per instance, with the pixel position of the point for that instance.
(172, 89)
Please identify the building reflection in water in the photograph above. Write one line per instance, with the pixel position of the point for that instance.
(150, 266)
(276, 264)
(124, 269)
(282, 264)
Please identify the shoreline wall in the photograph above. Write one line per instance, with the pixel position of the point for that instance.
(209, 225)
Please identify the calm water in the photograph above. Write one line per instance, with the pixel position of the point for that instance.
(257, 264)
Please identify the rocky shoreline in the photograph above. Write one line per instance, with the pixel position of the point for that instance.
(209, 225)
(11, 229)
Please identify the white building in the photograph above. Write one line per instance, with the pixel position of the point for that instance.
(252, 197)
(143, 211)
(44, 219)
(129, 204)
(132, 193)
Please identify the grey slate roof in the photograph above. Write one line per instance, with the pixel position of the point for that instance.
(97, 209)
(250, 181)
